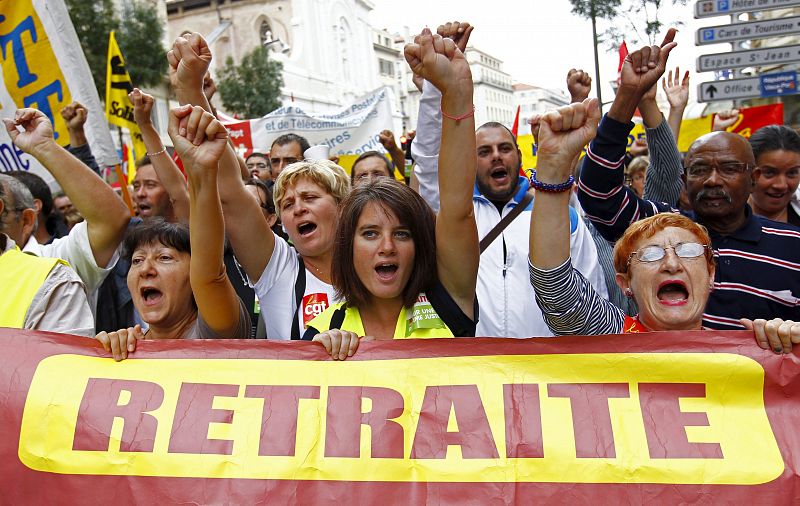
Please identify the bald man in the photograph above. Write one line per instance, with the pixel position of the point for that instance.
(757, 259)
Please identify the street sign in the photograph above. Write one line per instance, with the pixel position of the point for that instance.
(749, 58)
(765, 85)
(747, 31)
(709, 8)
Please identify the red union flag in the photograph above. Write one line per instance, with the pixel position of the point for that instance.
(653, 418)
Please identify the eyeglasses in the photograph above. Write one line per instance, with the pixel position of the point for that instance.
(270, 209)
(727, 170)
(656, 253)
(15, 210)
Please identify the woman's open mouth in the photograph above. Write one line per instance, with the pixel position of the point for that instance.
(151, 296)
(673, 293)
(386, 272)
(306, 228)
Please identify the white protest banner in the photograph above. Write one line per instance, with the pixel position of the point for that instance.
(43, 66)
(351, 131)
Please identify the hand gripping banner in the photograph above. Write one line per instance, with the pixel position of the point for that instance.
(653, 418)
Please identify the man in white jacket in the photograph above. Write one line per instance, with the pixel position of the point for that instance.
(507, 304)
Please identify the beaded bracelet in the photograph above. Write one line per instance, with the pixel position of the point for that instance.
(163, 150)
(458, 118)
(551, 188)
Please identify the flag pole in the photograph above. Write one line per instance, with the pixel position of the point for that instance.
(123, 181)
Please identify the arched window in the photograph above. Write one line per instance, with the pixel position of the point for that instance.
(265, 32)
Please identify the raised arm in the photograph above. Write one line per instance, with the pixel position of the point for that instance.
(608, 203)
(663, 182)
(427, 143)
(397, 155)
(166, 169)
(677, 92)
(75, 115)
(439, 61)
(250, 235)
(568, 302)
(106, 215)
(200, 141)
(579, 84)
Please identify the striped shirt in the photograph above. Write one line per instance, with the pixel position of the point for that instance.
(758, 266)
(569, 304)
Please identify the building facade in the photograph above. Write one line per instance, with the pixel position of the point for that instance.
(493, 96)
(535, 100)
(325, 47)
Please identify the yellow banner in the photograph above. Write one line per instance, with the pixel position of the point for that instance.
(31, 72)
(677, 418)
(119, 109)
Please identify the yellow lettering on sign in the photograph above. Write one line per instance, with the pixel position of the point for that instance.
(30, 68)
(682, 418)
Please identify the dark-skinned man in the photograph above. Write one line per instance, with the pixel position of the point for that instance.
(757, 259)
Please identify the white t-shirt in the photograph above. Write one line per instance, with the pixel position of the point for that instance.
(275, 292)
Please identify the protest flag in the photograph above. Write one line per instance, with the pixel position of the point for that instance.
(131, 163)
(623, 53)
(514, 130)
(515, 126)
(119, 109)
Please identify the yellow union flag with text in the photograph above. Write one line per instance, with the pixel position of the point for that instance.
(30, 70)
(119, 109)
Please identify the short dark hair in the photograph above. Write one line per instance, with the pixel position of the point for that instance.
(288, 138)
(156, 230)
(495, 124)
(38, 188)
(371, 154)
(411, 211)
(269, 204)
(145, 160)
(774, 138)
(262, 155)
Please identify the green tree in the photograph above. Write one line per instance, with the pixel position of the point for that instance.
(139, 36)
(93, 20)
(139, 39)
(594, 10)
(253, 88)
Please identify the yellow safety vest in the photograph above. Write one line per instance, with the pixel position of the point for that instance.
(21, 276)
(418, 322)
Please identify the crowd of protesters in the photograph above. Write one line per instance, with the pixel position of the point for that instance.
(279, 246)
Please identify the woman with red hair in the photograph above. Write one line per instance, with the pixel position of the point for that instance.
(665, 262)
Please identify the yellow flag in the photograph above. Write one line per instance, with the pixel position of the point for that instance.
(119, 109)
(30, 71)
(131, 164)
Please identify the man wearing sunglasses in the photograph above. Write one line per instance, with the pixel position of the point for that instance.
(758, 260)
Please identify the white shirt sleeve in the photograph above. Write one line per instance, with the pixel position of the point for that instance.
(275, 290)
(426, 144)
(77, 251)
(61, 305)
(584, 256)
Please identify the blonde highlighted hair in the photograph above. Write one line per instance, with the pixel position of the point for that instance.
(329, 176)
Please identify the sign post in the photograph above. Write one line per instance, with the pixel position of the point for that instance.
(710, 8)
(766, 85)
(750, 30)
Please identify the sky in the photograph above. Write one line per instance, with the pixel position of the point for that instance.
(540, 40)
